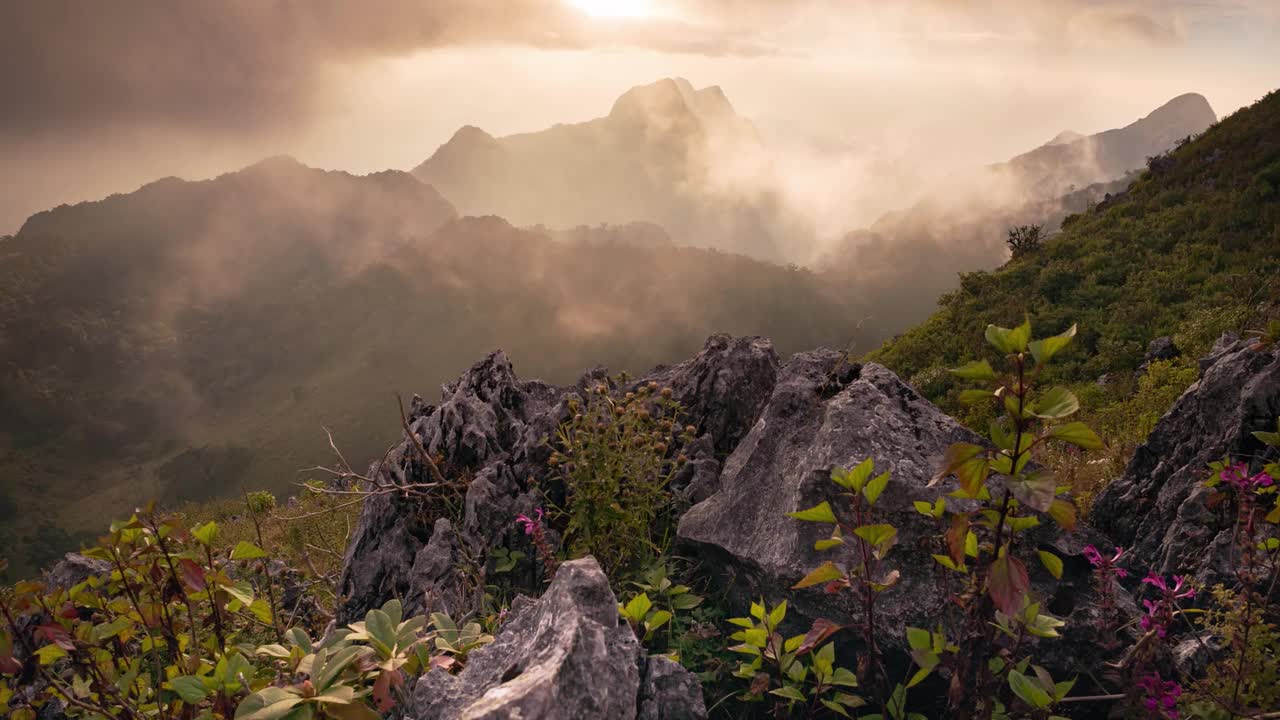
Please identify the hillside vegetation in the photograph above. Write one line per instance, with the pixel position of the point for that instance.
(1191, 250)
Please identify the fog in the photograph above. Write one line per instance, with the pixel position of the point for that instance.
(862, 103)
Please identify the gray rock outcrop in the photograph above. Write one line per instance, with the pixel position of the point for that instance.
(564, 655)
(1160, 507)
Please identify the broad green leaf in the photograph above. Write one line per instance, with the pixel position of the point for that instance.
(1055, 404)
(828, 543)
(969, 464)
(824, 573)
(1051, 562)
(261, 610)
(919, 638)
(191, 689)
(206, 533)
(273, 650)
(50, 654)
(975, 370)
(1044, 350)
(875, 487)
(876, 535)
(1029, 690)
(777, 614)
(923, 508)
(240, 590)
(818, 513)
(1064, 513)
(246, 550)
(1078, 434)
(788, 692)
(638, 607)
(657, 620)
(950, 564)
(111, 629)
(270, 703)
(974, 396)
(854, 478)
(1009, 341)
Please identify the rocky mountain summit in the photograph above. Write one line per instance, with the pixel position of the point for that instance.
(768, 433)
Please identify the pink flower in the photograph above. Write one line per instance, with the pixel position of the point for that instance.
(1160, 611)
(530, 525)
(1162, 695)
(1238, 477)
(1104, 564)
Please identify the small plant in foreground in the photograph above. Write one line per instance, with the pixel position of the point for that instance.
(798, 674)
(615, 459)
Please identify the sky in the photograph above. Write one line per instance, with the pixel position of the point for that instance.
(104, 97)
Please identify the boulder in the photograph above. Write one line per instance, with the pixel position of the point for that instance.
(564, 655)
(1160, 507)
(74, 569)
(491, 435)
(821, 415)
(1162, 348)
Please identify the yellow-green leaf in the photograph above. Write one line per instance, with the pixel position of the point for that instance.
(824, 573)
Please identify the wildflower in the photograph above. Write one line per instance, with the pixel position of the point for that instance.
(530, 525)
(1160, 611)
(1238, 477)
(1162, 695)
(1106, 565)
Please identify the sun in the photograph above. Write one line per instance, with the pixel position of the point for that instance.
(614, 8)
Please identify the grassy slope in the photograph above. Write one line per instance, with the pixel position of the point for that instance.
(1191, 250)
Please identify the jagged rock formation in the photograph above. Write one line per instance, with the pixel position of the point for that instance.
(566, 654)
(494, 428)
(1159, 507)
(825, 413)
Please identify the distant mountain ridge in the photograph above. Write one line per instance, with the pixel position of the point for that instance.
(659, 156)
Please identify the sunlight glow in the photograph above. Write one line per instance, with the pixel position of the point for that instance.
(615, 8)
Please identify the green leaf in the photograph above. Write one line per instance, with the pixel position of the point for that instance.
(919, 638)
(828, 543)
(875, 487)
(788, 692)
(777, 614)
(270, 703)
(111, 629)
(923, 508)
(854, 478)
(824, 573)
(206, 533)
(50, 654)
(191, 689)
(638, 607)
(657, 620)
(1064, 513)
(969, 464)
(818, 513)
(1055, 404)
(1044, 350)
(261, 610)
(974, 396)
(1029, 690)
(1009, 341)
(876, 535)
(245, 550)
(946, 562)
(1078, 434)
(975, 370)
(1051, 562)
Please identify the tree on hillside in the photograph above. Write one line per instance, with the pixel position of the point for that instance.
(1025, 239)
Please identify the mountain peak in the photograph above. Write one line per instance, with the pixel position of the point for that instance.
(665, 95)
(1188, 107)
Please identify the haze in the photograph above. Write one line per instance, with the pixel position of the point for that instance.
(861, 103)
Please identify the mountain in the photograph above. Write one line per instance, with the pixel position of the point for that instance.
(666, 153)
(908, 258)
(193, 339)
(1190, 250)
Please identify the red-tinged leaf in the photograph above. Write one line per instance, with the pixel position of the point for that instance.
(56, 635)
(836, 586)
(1064, 513)
(821, 630)
(956, 536)
(69, 611)
(192, 574)
(9, 665)
(1008, 583)
(759, 683)
(443, 662)
(387, 679)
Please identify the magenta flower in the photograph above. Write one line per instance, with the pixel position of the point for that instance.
(1160, 611)
(1161, 696)
(1103, 564)
(530, 525)
(1238, 477)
